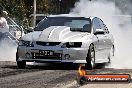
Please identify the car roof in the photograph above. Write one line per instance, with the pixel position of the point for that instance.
(70, 15)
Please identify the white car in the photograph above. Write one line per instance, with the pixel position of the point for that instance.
(66, 38)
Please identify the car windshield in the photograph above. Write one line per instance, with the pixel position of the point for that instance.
(75, 23)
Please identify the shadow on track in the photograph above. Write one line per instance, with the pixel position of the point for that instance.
(54, 66)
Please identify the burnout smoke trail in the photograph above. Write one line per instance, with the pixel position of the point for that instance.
(7, 50)
(117, 24)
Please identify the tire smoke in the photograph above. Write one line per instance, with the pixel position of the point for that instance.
(7, 50)
(118, 24)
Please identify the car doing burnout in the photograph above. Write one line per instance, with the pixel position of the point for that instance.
(65, 38)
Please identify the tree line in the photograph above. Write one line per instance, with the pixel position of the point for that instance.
(20, 10)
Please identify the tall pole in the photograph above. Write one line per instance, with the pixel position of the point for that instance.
(34, 14)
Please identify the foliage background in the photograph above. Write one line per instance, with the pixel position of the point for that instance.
(20, 10)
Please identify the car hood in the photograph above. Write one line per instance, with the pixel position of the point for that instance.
(56, 34)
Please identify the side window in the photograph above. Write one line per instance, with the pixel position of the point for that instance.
(103, 26)
(96, 24)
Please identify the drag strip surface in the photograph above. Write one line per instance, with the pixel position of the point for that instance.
(51, 76)
(34, 76)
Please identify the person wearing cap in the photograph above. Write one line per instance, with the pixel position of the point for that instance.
(4, 27)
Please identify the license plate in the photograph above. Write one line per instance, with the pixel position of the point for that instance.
(45, 53)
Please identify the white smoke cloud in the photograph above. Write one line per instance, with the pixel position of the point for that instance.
(7, 50)
(117, 24)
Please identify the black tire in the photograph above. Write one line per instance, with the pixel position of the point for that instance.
(90, 59)
(111, 54)
(20, 64)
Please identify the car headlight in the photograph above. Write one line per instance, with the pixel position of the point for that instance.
(26, 43)
(72, 45)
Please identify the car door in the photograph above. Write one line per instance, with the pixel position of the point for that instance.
(100, 44)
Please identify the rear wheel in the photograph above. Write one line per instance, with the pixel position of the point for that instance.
(111, 54)
(90, 58)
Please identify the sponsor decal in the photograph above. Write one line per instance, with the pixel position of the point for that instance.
(84, 77)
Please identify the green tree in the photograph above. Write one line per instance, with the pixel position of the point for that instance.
(20, 10)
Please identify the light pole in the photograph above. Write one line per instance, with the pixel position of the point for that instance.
(34, 14)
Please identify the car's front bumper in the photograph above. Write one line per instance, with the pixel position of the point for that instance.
(52, 61)
(74, 55)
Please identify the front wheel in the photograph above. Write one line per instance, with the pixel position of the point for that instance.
(90, 58)
(21, 64)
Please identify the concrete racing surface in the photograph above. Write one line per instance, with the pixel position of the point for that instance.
(52, 76)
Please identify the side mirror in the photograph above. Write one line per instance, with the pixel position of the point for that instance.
(99, 31)
(30, 29)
